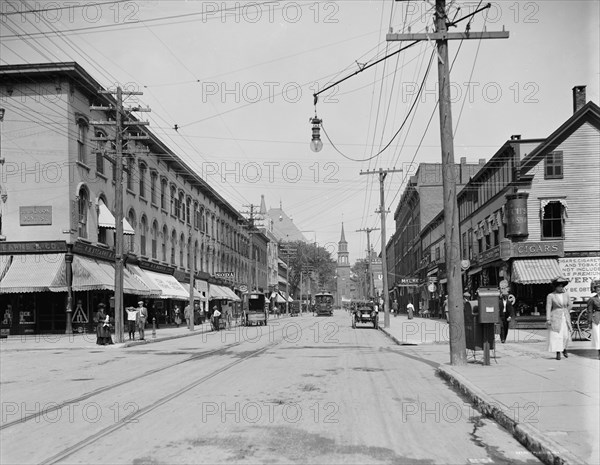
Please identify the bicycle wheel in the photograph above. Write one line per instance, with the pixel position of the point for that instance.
(583, 326)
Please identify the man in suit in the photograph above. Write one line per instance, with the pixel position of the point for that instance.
(142, 317)
(506, 314)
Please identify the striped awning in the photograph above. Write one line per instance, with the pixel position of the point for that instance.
(33, 273)
(90, 274)
(107, 220)
(535, 271)
(169, 286)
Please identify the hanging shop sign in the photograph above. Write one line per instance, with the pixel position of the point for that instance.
(409, 282)
(224, 274)
(90, 250)
(516, 214)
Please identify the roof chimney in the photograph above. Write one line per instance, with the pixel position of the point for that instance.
(463, 160)
(578, 98)
(515, 137)
(482, 161)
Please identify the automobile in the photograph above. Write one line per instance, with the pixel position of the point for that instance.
(365, 312)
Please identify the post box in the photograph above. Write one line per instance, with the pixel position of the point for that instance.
(488, 305)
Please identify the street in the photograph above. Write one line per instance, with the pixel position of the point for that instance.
(301, 390)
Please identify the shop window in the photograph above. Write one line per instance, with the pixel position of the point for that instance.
(553, 166)
(553, 220)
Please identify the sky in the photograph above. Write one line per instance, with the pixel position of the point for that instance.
(231, 86)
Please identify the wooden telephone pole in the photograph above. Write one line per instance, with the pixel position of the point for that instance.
(382, 211)
(369, 266)
(458, 351)
(119, 124)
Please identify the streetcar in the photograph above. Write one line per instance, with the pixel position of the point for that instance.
(323, 304)
(255, 309)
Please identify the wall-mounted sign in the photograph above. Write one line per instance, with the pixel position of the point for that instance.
(408, 282)
(580, 271)
(32, 247)
(224, 274)
(35, 216)
(93, 251)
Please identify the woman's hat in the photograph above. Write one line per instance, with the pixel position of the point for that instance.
(101, 305)
(560, 280)
(141, 302)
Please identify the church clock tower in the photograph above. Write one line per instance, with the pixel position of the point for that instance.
(343, 270)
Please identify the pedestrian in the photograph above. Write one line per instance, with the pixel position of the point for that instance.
(177, 315)
(395, 308)
(132, 315)
(215, 318)
(507, 313)
(201, 313)
(100, 320)
(187, 314)
(593, 313)
(410, 309)
(446, 308)
(558, 318)
(142, 317)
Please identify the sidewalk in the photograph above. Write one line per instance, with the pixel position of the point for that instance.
(550, 406)
(88, 340)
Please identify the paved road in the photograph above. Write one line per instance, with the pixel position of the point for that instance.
(307, 390)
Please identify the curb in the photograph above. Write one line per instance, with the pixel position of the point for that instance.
(544, 448)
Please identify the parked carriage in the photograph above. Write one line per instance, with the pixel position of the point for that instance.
(255, 309)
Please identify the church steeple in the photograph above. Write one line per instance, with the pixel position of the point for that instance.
(343, 238)
(343, 249)
(343, 270)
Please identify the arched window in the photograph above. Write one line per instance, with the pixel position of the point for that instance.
(154, 238)
(163, 193)
(153, 187)
(196, 255)
(173, 245)
(142, 181)
(165, 236)
(143, 231)
(129, 170)
(181, 249)
(174, 201)
(188, 207)
(181, 212)
(83, 207)
(133, 223)
(100, 151)
(82, 129)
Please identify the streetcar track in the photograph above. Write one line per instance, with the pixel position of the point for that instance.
(103, 389)
(58, 406)
(131, 418)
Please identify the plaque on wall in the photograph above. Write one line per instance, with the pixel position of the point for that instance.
(35, 216)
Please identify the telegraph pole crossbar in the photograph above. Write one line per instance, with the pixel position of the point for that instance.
(458, 352)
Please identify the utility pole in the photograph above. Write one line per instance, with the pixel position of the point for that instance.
(458, 353)
(386, 298)
(369, 266)
(118, 139)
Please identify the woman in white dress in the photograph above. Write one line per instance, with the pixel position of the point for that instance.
(558, 318)
(593, 314)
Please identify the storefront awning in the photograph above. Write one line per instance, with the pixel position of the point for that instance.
(170, 288)
(197, 295)
(217, 292)
(107, 220)
(535, 271)
(278, 298)
(32, 273)
(232, 295)
(90, 274)
(137, 273)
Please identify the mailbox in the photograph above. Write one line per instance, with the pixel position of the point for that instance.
(488, 305)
